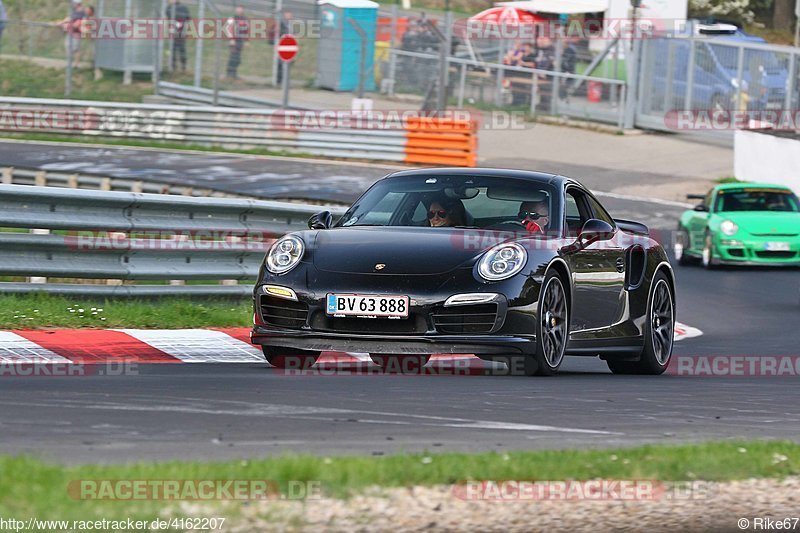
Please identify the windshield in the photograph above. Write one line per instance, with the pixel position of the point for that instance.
(457, 201)
(757, 200)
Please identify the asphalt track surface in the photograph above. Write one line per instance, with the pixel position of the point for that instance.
(274, 177)
(226, 411)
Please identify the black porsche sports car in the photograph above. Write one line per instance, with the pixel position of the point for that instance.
(509, 265)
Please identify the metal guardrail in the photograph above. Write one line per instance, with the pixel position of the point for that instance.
(218, 126)
(76, 180)
(187, 94)
(121, 236)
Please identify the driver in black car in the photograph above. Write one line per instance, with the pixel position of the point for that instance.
(535, 216)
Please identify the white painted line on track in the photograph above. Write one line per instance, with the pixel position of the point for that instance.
(17, 349)
(198, 345)
(659, 201)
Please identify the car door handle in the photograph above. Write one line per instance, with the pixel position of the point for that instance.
(620, 265)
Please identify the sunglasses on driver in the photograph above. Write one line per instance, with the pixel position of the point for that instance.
(441, 213)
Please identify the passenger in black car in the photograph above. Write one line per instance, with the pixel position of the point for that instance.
(445, 212)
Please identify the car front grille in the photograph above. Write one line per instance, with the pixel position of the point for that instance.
(776, 255)
(283, 313)
(414, 324)
(465, 318)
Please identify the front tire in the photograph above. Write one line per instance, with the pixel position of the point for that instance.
(708, 252)
(289, 358)
(552, 331)
(659, 335)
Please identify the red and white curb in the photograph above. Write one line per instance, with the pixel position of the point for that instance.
(231, 345)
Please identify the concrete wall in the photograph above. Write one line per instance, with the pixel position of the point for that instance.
(765, 158)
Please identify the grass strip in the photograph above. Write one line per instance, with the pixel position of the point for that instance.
(30, 487)
(45, 311)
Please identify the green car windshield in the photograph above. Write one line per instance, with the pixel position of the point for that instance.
(754, 199)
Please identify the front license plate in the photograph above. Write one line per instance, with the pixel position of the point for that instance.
(367, 306)
(777, 246)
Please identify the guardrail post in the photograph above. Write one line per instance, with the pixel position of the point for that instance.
(534, 93)
(105, 184)
(498, 96)
(40, 179)
(38, 279)
(8, 175)
(72, 181)
(232, 241)
(137, 186)
(633, 73)
(462, 83)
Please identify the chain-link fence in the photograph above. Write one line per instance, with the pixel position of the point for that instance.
(715, 78)
(427, 61)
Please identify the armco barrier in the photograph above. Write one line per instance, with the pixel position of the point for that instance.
(135, 236)
(331, 134)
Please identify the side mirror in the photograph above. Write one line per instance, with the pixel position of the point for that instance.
(703, 208)
(321, 220)
(596, 230)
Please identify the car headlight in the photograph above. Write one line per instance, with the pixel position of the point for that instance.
(502, 261)
(284, 255)
(728, 227)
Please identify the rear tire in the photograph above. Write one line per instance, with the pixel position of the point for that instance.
(680, 246)
(659, 335)
(289, 358)
(401, 363)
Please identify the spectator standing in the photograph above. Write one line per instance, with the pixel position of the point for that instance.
(180, 14)
(238, 28)
(71, 25)
(85, 28)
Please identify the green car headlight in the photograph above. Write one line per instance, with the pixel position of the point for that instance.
(728, 227)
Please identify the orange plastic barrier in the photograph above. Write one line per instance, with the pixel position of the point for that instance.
(441, 141)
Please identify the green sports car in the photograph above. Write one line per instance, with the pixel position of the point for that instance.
(741, 224)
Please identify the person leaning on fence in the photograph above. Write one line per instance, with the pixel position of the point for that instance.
(3, 20)
(85, 26)
(71, 25)
(237, 28)
(180, 14)
(521, 56)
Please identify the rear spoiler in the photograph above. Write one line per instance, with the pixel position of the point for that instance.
(633, 227)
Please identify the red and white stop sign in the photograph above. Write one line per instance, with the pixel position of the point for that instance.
(287, 47)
